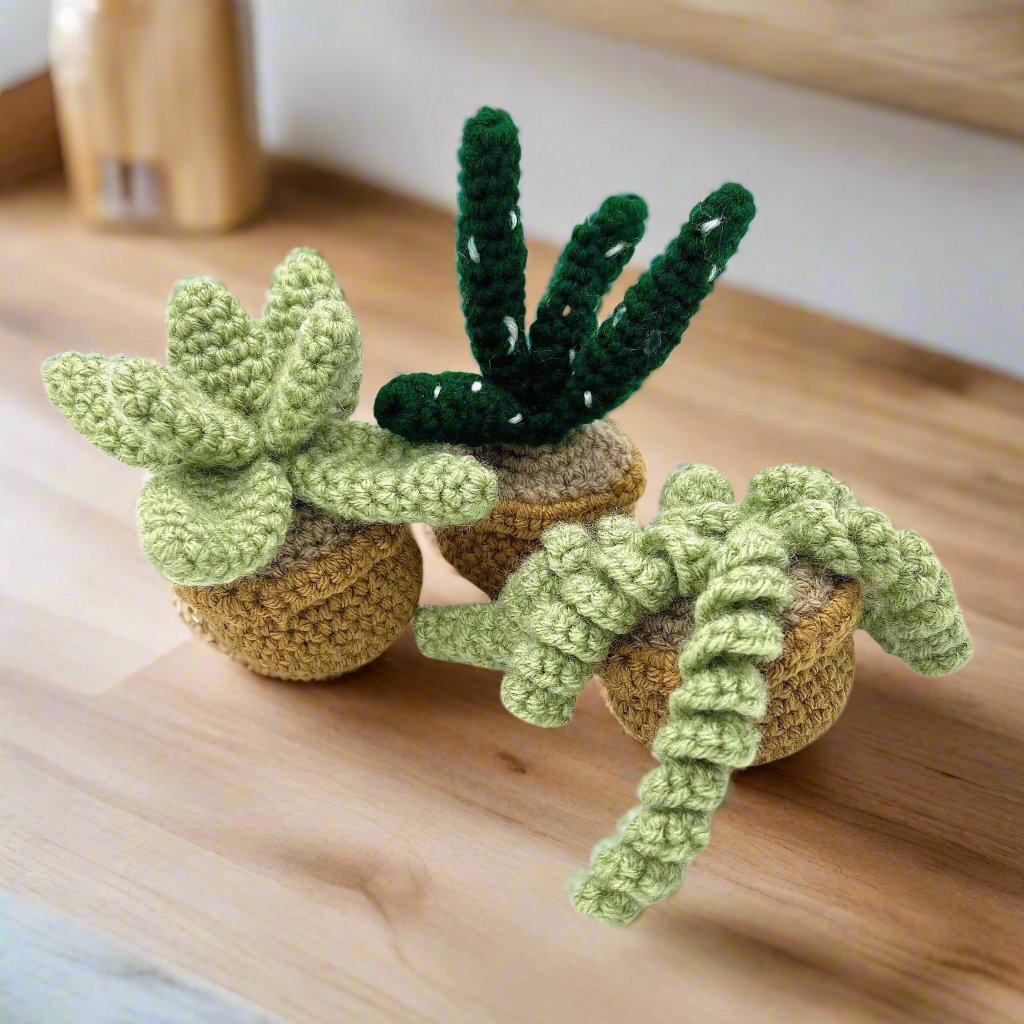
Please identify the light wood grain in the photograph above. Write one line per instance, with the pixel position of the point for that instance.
(395, 846)
(960, 60)
(54, 971)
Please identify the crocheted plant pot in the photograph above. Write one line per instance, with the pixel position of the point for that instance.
(542, 391)
(335, 597)
(596, 471)
(282, 523)
(723, 630)
(807, 685)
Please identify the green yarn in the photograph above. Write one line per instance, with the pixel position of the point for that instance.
(536, 388)
(249, 416)
(556, 620)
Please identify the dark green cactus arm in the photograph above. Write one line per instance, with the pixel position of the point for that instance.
(595, 256)
(639, 335)
(458, 408)
(535, 390)
(490, 255)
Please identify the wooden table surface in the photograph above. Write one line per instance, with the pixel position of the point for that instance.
(396, 846)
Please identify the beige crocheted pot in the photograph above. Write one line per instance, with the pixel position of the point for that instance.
(595, 472)
(807, 685)
(333, 599)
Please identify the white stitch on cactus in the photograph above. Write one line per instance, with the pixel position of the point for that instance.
(588, 399)
(476, 386)
(566, 310)
(572, 356)
(518, 418)
(619, 313)
(474, 252)
(437, 390)
(710, 225)
(513, 333)
(714, 272)
(513, 219)
(615, 249)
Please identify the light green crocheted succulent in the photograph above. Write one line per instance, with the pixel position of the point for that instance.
(250, 416)
(557, 618)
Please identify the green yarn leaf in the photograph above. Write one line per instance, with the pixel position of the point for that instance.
(177, 419)
(589, 265)
(361, 472)
(644, 329)
(490, 254)
(213, 342)
(204, 527)
(142, 414)
(300, 282)
(79, 385)
(318, 378)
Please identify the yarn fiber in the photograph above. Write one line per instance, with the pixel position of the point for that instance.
(535, 387)
(333, 599)
(249, 419)
(807, 685)
(595, 472)
(560, 614)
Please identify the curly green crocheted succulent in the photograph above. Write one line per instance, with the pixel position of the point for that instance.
(535, 388)
(556, 620)
(250, 416)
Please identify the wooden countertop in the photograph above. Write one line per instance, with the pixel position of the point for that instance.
(394, 845)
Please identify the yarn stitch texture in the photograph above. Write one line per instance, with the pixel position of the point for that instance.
(596, 472)
(535, 388)
(559, 615)
(807, 685)
(251, 417)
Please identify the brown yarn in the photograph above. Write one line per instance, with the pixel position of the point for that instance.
(334, 598)
(808, 684)
(596, 472)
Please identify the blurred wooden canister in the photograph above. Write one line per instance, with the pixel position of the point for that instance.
(156, 111)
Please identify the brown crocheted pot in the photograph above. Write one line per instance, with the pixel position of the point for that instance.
(593, 473)
(335, 597)
(807, 685)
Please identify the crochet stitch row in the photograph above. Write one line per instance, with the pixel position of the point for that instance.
(251, 417)
(557, 618)
(536, 387)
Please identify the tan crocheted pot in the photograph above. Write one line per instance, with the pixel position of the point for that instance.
(807, 685)
(333, 599)
(595, 472)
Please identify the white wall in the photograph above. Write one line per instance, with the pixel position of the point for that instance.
(903, 224)
(23, 27)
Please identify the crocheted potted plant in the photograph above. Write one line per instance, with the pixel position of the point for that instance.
(535, 410)
(724, 635)
(282, 524)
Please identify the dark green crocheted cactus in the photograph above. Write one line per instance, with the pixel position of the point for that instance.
(534, 388)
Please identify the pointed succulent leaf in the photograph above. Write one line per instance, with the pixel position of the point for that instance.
(79, 385)
(458, 408)
(213, 342)
(176, 419)
(318, 378)
(639, 335)
(301, 281)
(595, 256)
(359, 471)
(205, 527)
(490, 251)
